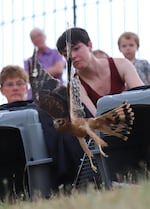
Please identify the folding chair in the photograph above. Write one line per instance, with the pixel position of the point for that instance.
(130, 159)
(23, 152)
(86, 175)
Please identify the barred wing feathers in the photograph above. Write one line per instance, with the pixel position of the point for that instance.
(117, 122)
(47, 91)
(76, 107)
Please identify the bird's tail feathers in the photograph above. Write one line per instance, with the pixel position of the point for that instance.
(119, 121)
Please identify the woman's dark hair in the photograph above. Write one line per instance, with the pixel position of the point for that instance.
(77, 35)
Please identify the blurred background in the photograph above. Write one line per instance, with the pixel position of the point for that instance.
(104, 20)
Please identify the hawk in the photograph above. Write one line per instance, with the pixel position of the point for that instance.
(63, 104)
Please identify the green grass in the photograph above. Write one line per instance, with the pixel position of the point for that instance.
(128, 197)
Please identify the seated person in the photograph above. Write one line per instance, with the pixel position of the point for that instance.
(14, 83)
(64, 149)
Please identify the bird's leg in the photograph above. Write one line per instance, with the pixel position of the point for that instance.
(88, 152)
(101, 151)
(101, 143)
(94, 168)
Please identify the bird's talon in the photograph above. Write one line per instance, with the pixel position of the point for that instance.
(94, 168)
(102, 152)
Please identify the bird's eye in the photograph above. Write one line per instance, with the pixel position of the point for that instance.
(59, 121)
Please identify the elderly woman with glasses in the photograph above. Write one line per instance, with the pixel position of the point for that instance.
(14, 83)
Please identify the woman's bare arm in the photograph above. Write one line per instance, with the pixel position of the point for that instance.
(128, 72)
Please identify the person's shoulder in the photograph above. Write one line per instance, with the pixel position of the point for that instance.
(27, 59)
(142, 64)
(54, 52)
(115, 59)
(51, 50)
(121, 61)
(17, 105)
(26, 63)
(118, 60)
(103, 62)
(142, 61)
(123, 65)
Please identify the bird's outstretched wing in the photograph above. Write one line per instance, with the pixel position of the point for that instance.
(47, 91)
(57, 100)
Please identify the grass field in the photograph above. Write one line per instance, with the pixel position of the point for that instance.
(128, 197)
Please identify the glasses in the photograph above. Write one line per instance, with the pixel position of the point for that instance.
(11, 84)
